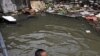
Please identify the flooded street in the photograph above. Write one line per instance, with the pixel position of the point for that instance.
(58, 35)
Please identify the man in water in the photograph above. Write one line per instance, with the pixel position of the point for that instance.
(41, 52)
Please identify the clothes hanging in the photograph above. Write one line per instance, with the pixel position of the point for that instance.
(8, 6)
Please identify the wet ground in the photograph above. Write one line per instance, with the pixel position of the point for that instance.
(60, 36)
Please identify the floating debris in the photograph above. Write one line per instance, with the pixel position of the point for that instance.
(88, 31)
(9, 18)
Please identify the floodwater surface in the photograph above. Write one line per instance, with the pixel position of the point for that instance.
(58, 35)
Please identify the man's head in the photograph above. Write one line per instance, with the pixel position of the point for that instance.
(41, 52)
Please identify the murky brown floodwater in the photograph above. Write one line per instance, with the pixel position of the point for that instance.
(60, 36)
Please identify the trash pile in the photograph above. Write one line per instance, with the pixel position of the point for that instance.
(63, 9)
(92, 16)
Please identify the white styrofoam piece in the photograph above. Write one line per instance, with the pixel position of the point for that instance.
(9, 18)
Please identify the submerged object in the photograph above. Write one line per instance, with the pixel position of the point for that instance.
(9, 18)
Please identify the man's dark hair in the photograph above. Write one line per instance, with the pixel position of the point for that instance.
(39, 51)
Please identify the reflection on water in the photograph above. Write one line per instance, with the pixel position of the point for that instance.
(60, 36)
